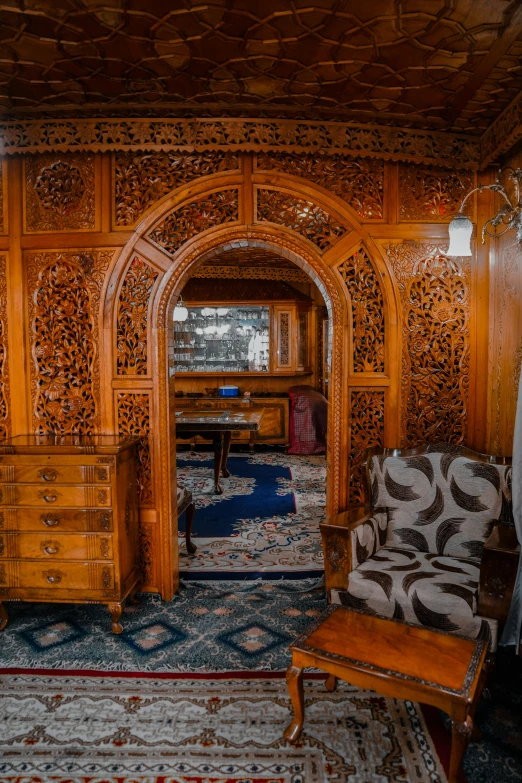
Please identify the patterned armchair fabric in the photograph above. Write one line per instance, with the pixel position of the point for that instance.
(421, 561)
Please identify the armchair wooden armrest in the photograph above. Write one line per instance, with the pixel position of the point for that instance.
(336, 533)
(498, 572)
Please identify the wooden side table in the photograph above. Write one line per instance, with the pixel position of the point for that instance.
(396, 659)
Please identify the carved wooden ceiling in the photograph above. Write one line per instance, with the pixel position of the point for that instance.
(433, 64)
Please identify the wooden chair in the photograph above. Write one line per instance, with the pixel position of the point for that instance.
(185, 503)
(435, 546)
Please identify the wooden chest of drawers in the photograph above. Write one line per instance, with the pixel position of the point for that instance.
(68, 521)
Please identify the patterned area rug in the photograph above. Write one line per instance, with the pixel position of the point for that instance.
(209, 626)
(266, 522)
(206, 731)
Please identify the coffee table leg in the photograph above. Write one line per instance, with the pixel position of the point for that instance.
(218, 451)
(294, 680)
(461, 733)
(227, 437)
(331, 682)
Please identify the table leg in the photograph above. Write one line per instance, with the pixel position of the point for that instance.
(460, 736)
(189, 516)
(331, 682)
(218, 451)
(116, 612)
(227, 437)
(294, 680)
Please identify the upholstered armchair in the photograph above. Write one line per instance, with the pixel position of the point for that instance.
(419, 551)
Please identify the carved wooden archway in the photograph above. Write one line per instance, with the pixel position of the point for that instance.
(300, 221)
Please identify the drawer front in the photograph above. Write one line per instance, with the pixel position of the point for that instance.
(56, 546)
(59, 576)
(54, 495)
(67, 520)
(55, 474)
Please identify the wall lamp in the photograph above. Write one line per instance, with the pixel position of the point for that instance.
(509, 215)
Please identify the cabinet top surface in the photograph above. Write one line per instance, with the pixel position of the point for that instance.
(70, 444)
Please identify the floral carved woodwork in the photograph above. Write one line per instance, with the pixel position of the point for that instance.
(147, 553)
(59, 192)
(141, 178)
(431, 192)
(252, 273)
(367, 431)
(196, 217)
(134, 419)
(302, 216)
(4, 366)
(359, 181)
(435, 300)
(367, 312)
(64, 302)
(133, 310)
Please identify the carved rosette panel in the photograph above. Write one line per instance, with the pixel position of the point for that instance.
(302, 216)
(432, 193)
(359, 181)
(435, 300)
(141, 178)
(5, 427)
(134, 419)
(367, 303)
(367, 431)
(59, 192)
(133, 310)
(196, 217)
(64, 303)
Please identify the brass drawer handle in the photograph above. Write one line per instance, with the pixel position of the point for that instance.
(48, 474)
(50, 547)
(48, 498)
(53, 577)
(50, 520)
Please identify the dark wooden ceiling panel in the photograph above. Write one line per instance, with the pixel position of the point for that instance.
(446, 64)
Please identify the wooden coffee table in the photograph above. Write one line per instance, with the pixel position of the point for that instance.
(396, 659)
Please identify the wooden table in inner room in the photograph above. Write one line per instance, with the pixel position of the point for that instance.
(218, 427)
(395, 659)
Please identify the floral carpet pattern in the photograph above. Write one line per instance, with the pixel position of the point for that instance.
(203, 730)
(266, 522)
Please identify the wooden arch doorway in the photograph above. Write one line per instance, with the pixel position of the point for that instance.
(317, 232)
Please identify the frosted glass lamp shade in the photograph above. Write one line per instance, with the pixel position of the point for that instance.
(180, 311)
(460, 231)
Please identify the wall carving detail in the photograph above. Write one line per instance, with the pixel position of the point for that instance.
(5, 427)
(432, 193)
(302, 216)
(141, 178)
(134, 419)
(133, 310)
(2, 219)
(367, 312)
(435, 300)
(359, 181)
(147, 553)
(196, 217)
(59, 192)
(367, 431)
(252, 273)
(455, 149)
(64, 302)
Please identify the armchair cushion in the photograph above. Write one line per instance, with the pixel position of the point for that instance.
(439, 503)
(368, 538)
(423, 588)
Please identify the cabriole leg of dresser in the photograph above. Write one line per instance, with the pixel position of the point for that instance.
(115, 612)
(3, 616)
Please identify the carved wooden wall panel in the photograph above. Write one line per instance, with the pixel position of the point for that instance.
(359, 181)
(133, 411)
(59, 192)
(432, 192)
(505, 343)
(367, 312)
(149, 554)
(5, 411)
(141, 178)
(294, 275)
(305, 217)
(195, 217)
(133, 315)
(435, 297)
(367, 431)
(64, 304)
(3, 221)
